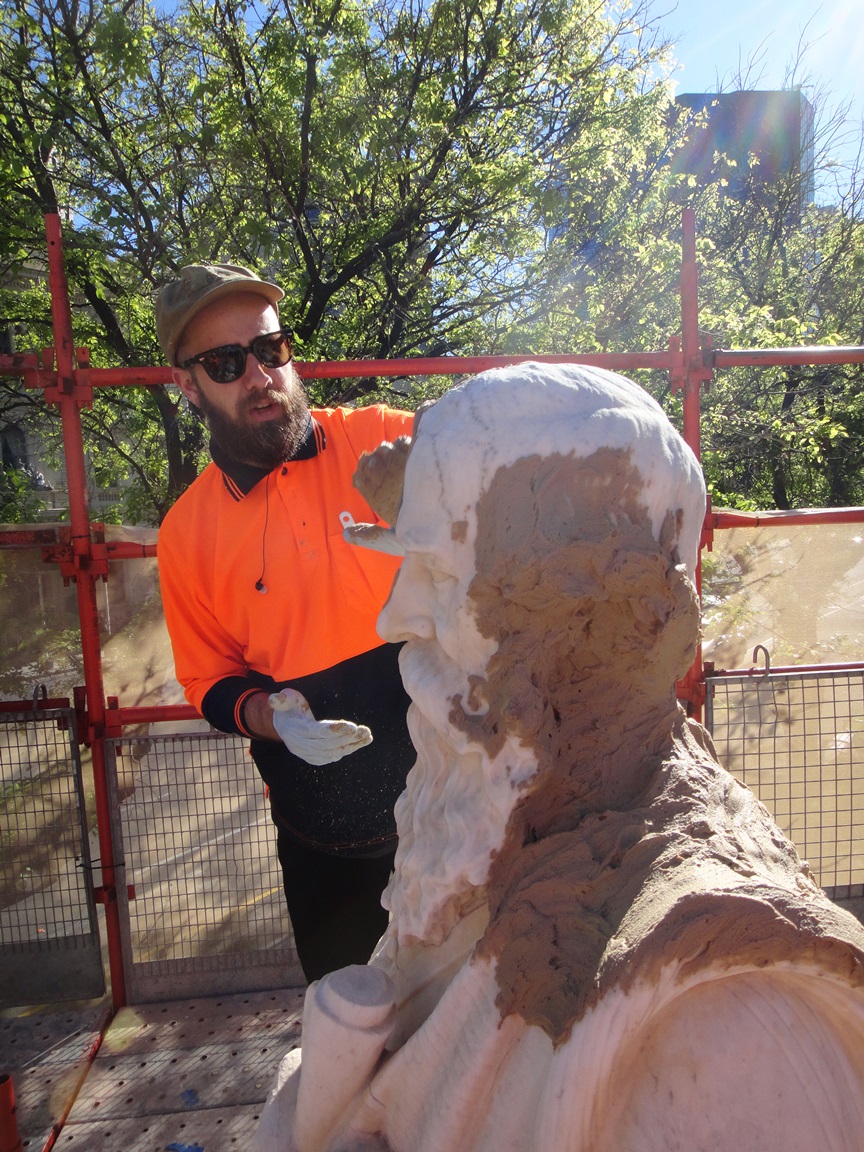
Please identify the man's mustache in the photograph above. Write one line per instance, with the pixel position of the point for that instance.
(274, 396)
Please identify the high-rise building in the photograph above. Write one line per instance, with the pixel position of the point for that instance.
(774, 128)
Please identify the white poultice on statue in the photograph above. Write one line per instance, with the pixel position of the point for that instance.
(599, 941)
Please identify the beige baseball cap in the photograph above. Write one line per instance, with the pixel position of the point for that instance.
(197, 286)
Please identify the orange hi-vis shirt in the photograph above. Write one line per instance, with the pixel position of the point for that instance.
(235, 529)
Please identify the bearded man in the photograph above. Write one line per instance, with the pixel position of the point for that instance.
(599, 940)
(272, 614)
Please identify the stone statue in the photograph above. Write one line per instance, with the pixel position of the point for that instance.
(599, 941)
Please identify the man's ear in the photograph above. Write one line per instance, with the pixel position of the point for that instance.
(185, 381)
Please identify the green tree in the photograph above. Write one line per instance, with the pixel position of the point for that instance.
(461, 176)
(778, 276)
(78, 138)
(774, 271)
(405, 171)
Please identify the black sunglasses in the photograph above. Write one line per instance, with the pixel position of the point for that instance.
(227, 363)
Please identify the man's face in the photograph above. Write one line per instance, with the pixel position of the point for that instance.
(261, 417)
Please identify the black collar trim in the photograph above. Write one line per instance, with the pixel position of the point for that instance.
(240, 479)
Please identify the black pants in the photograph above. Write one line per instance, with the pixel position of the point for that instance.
(334, 903)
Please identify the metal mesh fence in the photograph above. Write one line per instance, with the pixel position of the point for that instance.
(49, 943)
(797, 740)
(198, 845)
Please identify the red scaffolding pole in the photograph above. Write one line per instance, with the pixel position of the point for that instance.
(84, 566)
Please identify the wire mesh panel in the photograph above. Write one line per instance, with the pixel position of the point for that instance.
(49, 940)
(194, 832)
(797, 740)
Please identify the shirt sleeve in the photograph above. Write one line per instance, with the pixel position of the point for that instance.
(368, 427)
(397, 423)
(224, 704)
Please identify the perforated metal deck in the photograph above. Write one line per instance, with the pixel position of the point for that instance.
(186, 1076)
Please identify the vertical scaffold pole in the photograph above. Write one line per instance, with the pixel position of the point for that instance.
(688, 378)
(690, 346)
(68, 397)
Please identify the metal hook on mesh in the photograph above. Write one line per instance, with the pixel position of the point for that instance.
(761, 648)
(40, 692)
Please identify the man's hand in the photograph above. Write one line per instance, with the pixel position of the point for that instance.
(315, 741)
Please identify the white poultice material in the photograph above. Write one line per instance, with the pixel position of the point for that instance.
(572, 410)
(347, 1017)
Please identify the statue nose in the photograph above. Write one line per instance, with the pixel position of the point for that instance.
(406, 616)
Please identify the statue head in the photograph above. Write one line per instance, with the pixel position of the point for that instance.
(550, 524)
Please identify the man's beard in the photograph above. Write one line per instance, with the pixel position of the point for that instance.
(264, 444)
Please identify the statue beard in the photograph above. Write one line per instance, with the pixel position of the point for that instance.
(265, 444)
(453, 814)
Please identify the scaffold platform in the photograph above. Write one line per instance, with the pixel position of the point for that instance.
(185, 1076)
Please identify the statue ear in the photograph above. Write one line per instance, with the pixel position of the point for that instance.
(681, 631)
(664, 608)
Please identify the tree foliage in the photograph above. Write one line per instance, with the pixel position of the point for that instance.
(461, 176)
(781, 272)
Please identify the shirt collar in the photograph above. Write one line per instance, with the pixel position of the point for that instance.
(241, 478)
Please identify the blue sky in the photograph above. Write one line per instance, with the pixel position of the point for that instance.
(713, 41)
